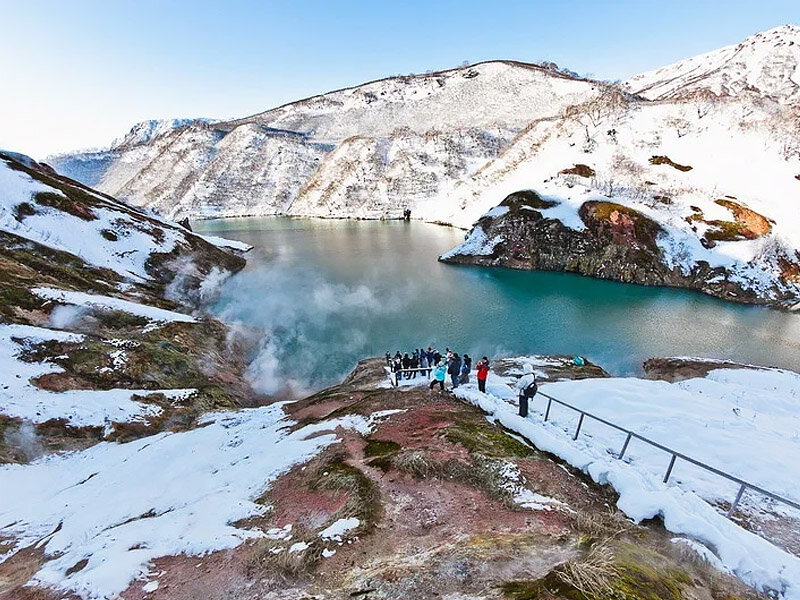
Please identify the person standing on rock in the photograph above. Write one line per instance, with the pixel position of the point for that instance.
(526, 385)
(454, 369)
(406, 365)
(438, 377)
(482, 373)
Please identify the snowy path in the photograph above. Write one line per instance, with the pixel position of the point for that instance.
(744, 422)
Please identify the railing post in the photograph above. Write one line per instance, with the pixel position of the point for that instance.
(736, 501)
(625, 445)
(669, 468)
(547, 412)
(578, 430)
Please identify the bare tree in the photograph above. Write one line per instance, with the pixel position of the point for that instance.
(680, 125)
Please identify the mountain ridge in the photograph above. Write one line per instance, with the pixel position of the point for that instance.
(732, 69)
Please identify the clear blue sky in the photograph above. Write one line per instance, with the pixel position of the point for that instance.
(77, 73)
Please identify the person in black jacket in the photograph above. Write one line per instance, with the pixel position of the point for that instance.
(454, 369)
(407, 364)
(466, 367)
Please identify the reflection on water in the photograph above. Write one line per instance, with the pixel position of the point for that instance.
(332, 292)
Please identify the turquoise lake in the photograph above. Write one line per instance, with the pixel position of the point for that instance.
(324, 294)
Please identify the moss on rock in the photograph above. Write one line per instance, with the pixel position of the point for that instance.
(489, 440)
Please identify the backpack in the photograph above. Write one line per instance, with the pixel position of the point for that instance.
(529, 391)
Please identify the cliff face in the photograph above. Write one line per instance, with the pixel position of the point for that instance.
(615, 242)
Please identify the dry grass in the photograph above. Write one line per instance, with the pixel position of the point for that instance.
(601, 525)
(259, 560)
(592, 576)
(483, 473)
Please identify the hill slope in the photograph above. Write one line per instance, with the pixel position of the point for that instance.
(765, 63)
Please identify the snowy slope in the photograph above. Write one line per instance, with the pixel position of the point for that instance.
(489, 96)
(379, 177)
(79, 408)
(40, 206)
(767, 63)
(191, 488)
(143, 132)
(740, 421)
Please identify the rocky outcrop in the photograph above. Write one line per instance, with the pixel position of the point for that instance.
(616, 243)
(681, 368)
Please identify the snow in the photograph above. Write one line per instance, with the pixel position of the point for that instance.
(514, 482)
(701, 551)
(63, 231)
(740, 150)
(476, 244)
(157, 315)
(339, 528)
(145, 131)
(497, 211)
(226, 243)
(122, 505)
(150, 586)
(765, 62)
(280, 533)
(741, 421)
(298, 547)
(80, 408)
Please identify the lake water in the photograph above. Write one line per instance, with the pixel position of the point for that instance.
(328, 293)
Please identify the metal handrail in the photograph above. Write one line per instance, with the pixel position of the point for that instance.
(743, 485)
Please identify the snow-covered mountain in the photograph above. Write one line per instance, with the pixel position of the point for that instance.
(97, 240)
(767, 63)
(452, 145)
(449, 122)
(143, 132)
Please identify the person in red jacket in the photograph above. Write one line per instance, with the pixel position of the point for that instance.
(483, 373)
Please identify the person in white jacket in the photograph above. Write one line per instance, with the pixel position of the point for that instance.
(526, 387)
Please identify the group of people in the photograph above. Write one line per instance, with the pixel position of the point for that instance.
(431, 361)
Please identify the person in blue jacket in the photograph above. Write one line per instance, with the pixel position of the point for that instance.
(439, 374)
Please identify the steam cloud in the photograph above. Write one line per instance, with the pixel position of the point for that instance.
(314, 330)
(25, 441)
(66, 316)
